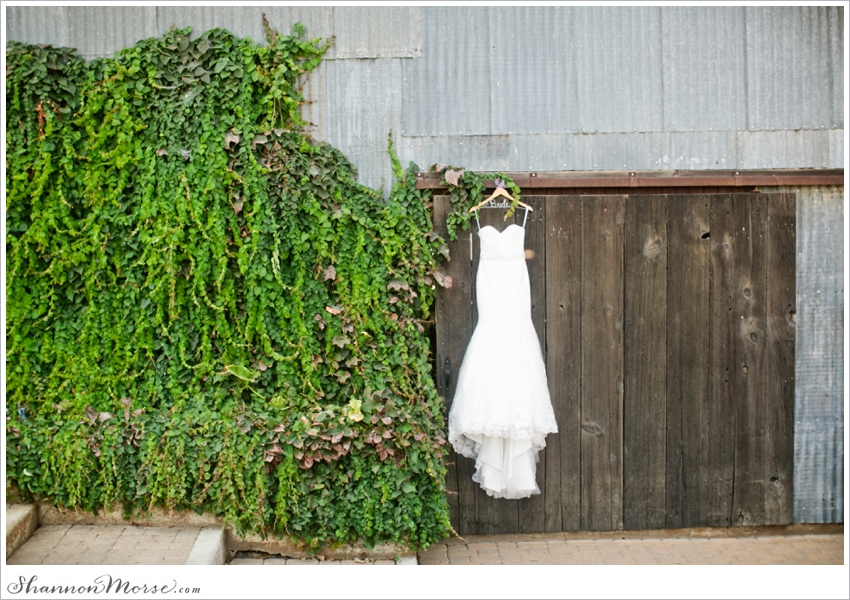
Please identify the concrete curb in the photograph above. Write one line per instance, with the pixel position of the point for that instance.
(284, 547)
(21, 522)
(408, 560)
(209, 548)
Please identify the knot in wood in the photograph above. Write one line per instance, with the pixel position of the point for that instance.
(592, 428)
(652, 247)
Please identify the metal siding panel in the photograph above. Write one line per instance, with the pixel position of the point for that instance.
(836, 149)
(626, 94)
(475, 152)
(532, 85)
(819, 365)
(446, 91)
(786, 149)
(697, 150)
(377, 32)
(540, 152)
(703, 66)
(788, 68)
(243, 21)
(580, 152)
(97, 31)
(835, 16)
(356, 104)
(38, 25)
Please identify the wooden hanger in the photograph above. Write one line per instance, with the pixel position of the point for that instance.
(500, 192)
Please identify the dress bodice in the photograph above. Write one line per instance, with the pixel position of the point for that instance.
(505, 245)
(502, 286)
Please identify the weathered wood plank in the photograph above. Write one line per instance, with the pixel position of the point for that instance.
(453, 314)
(563, 361)
(531, 511)
(747, 365)
(717, 505)
(779, 371)
(602, 363)
(645, 362)
(688, 390)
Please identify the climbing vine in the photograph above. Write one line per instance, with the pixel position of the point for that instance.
(205, 310)
(466, 189)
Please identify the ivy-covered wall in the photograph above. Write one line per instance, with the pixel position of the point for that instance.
(204, 309)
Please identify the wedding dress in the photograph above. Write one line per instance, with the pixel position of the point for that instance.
(501, 411)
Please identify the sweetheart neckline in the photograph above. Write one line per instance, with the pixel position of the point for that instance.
(500, 232)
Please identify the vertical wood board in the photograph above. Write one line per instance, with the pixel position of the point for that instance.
(563, 361)
(645, 362)
(779, 371)
(602, 363)
(688, 375)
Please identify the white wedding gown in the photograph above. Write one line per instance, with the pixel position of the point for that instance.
(501, 411)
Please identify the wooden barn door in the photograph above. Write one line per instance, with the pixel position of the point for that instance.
(667, 327)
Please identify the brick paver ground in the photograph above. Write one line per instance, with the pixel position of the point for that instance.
(106, 545)
(794, 545)
(280, 560)
(607, 549)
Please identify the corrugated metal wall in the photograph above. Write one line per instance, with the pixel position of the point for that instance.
(576, 88)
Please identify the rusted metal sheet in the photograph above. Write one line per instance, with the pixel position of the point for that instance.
(673, 179)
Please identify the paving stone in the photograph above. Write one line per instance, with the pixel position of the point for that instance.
(246, 561)
(490, 551)
(512, 559)
(274, 561)
(430, 560)
(301, 561)
(482, 546)
(531, 544)
(485, 560)
(507, 548)
(564, 559)
(580, 542)
(458, 560)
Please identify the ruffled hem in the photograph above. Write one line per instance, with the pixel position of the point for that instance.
(464, 445)
(504, 467)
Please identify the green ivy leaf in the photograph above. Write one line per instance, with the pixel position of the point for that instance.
(242, 372)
